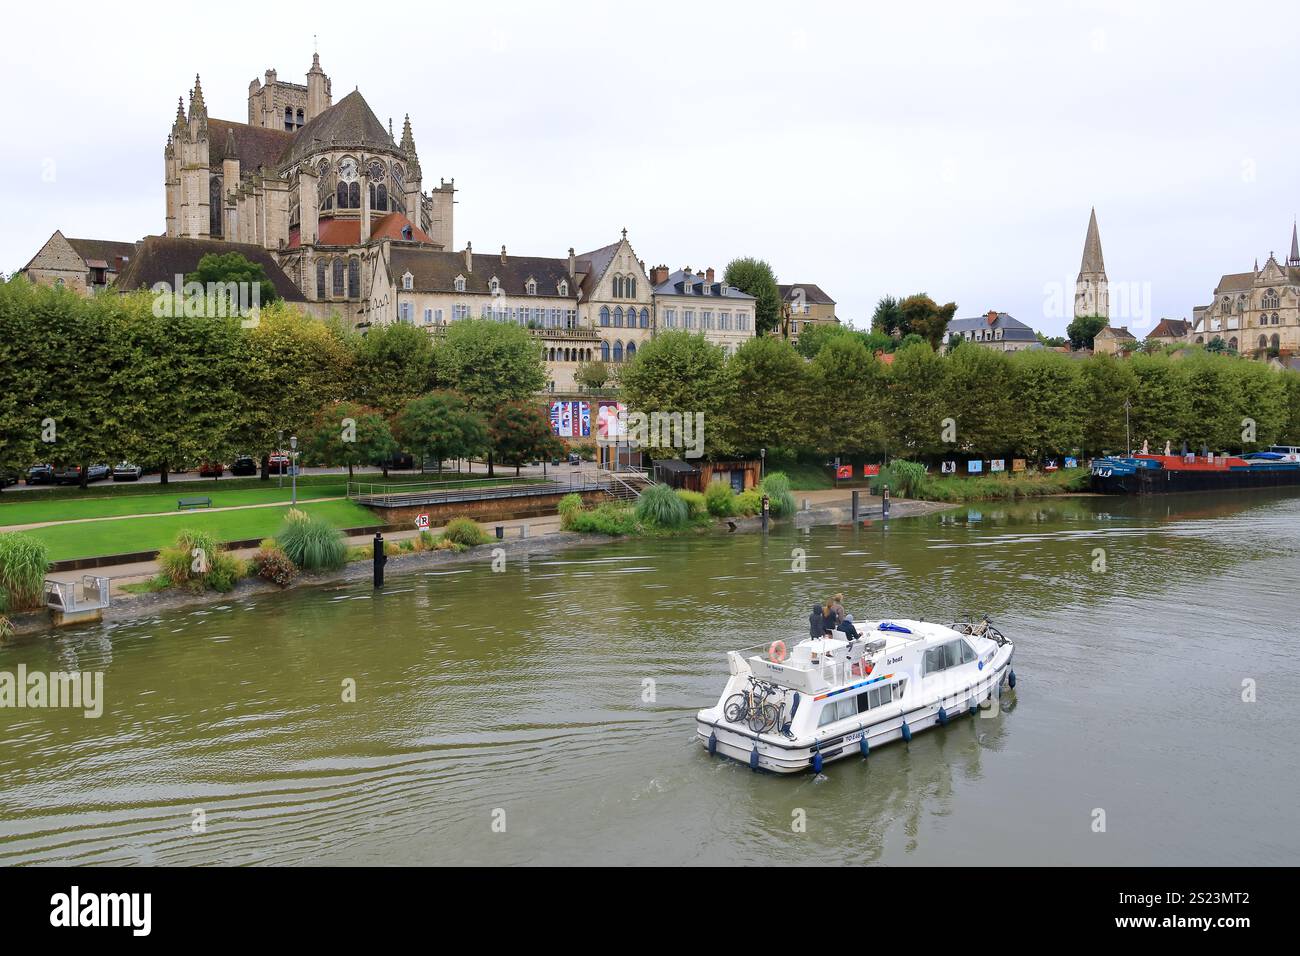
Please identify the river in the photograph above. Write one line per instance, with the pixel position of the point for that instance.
(544, 714)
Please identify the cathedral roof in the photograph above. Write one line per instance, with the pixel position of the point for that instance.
(105, 251)
(347, 232)
(349, 122)
(163, 258)
(1092, 260)
(254, 145)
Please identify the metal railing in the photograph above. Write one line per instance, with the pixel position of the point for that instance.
(407, 494)
(88, 594)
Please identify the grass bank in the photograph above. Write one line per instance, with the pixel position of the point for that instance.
(1003, 487)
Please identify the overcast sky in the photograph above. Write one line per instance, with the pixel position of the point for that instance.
(953, 148)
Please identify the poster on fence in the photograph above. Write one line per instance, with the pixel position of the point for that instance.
(870, 471)
(1017, 464)
(571, 419)
(974, 467)
(609, 426)
(843, 471)
(998, 464)
(948, 467)
(1071, 463)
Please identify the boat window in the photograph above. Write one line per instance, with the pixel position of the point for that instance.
(875, 697)
(935, 660)
(837, 710)
(953, 653)
(967, 652)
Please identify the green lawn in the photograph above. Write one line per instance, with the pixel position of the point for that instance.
(87, 539)
(16, 509)
(808, 477)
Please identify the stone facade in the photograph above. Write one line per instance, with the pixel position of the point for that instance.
(995, 330)
(1255, 312)
(695, 302)
(805, 305)
(83, 265)
(617, 301)
(1111, 339)
(1091, 289)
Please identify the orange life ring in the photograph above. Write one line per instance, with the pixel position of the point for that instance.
(777, 651)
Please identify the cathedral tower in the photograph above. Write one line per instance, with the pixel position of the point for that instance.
(1091, 291)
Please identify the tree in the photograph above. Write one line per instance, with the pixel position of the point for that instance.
(1083, 330)
(846, 384)
(230, 268)
(677, 372)
(346, 433)
(771, 379)
(1052, 341)
(1159, 397)
(593, 376)
(755, 277)
(1107, 383)
(814, 337)
(887, 319)
(914, 402)
(442, 425)
(393, 364)
(24, 348)
(921, 315)
(1048, 403)
(520, 432)
(981, 399)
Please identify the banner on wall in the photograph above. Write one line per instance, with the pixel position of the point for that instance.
(844, 471)
(870, 471)
(948, 467)
(1017, 464)
(611, 421)
(571, 419)
(998, 464)
(974, 467)
(1071, 463)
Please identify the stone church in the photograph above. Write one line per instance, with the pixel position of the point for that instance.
(1091, 290)
(318, 183)
(1255, 312)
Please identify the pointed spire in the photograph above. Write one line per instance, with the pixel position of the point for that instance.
(1092, 259)
(1294, 259)
(408, 140)
(180, 111)
(197, 106)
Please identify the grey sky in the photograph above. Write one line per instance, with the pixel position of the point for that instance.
(953, 148)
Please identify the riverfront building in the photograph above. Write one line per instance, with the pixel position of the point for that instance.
(993, 330)
(1255, 312)
(699, 302)
(804, 305)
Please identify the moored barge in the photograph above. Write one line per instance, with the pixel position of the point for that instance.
(1161, 474)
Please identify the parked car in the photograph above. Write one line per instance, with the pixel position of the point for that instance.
(8, 478)
(402, 461)
(575, 459)
(211, 469)
(71, 474)
(244, 465)
(40, 475)
(127, 471)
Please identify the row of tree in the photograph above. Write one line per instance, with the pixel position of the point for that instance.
(105, 379)
(847, 401)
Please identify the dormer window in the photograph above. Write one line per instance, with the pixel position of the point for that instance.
(531, 287)
(459, 284)
(494, 285)
(564, 288)
(408, 281)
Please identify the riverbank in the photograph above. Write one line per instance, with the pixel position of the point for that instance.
(544, 536)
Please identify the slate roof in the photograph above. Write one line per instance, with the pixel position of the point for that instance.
(106, 251)
(350, 121)
(434, 270)
(1092, 260)
(162, 258)
(1013, 330)
(675, 285)
(254, 146)
(812, 294)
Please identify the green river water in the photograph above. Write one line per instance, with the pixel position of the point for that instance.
(502, 717)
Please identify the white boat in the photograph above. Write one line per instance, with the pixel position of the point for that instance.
(794, 708)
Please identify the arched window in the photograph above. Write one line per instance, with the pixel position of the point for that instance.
(299, 117)
(618, 287)
(381, 197)
(645, 318)
(343, 195)
(1275, 318)
(630, 287)
(1274, 342)
(1227, 305)
(338, 278)
(604, 351)
(460, 283)
(618, 351)
(604, 318)
(1271, 299)
(1241, 304)
(618, 317)
(214, 205)
(564, 288)
(354, 195)
(320, 278)
(288, 118)
(354, 278)
(1263, 341)
(631, 350)
(1232, 343)
(531, 287)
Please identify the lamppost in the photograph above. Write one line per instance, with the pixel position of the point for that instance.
(762, 463)
(1128, 442)
(293, 466)
(279, 450)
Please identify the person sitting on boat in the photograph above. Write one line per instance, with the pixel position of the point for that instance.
(848, 628)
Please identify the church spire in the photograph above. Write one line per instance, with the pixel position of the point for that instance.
(1294, 258)
(197, 106)
(1092, 259)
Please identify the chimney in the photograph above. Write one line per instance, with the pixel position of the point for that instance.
(992, 316)
(708, 274)
(659, 275)
(699, 275)
(469, 257)
(573, 265)
(641, 263)
(503, 255)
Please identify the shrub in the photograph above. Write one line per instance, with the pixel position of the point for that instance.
(607, 518)
(777, 488)
(6, 627)
(695, 506)
(424, 541)
(465, 532)
(570, 505)
(660, 507)
(311, 543)
(905, 478)
(748, 503)
(719, 499)
(198, 562)
(274, 565)
(23, 563)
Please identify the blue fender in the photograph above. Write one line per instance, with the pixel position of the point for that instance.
(943, 715)
(864, 746)
(817, 761)
(974, 704)
(907, 732)
(1011, 679)
(753, 758)
(713, 743)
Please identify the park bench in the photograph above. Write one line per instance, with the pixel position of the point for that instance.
(185, 504)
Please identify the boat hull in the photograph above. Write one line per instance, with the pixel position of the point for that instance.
(1154, 481)
(780, 755)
